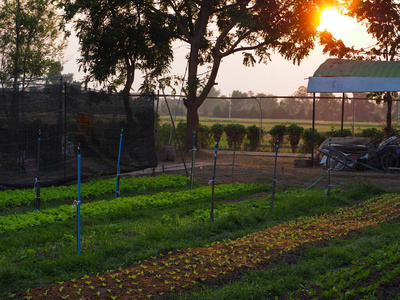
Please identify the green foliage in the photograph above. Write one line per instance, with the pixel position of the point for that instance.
(217, 130)
(257, 25)
(118, 239)
(117, 38)
(282, 279)
(162, 134)
(94, 188)
(205, 138)
(30, 48)
(180, 132)
(373, 133)
(120, 207)
(354, 281)
(308, 139)
(278, 132)
(361, 189)
(295, 131)
(253, 134)
(235, 134)
(339, 133)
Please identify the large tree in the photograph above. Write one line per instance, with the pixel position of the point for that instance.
(29, 38)
(382, 19)
(215, 29)
(117, 38)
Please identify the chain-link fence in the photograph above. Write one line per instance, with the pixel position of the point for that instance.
(41, 127)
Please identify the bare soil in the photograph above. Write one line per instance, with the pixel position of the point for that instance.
(259, 167)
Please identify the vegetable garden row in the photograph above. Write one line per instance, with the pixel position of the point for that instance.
(121, 207)
(180, 270)
(93, 189)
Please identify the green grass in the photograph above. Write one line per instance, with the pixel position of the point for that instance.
(45, 255)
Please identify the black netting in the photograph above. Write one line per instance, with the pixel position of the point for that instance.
(65, 116)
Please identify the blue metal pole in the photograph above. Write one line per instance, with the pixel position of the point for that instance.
(37, 183)
(119, 161)
(78, 204)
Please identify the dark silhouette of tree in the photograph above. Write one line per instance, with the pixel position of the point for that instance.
(29, 44)
(215, 29)
(29, 32)
(117, 38)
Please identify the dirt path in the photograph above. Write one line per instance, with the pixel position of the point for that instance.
(259, 167)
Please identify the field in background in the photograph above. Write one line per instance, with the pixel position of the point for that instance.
(321, 126)
(267, 124)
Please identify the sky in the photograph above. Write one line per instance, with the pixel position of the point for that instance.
(279, 77)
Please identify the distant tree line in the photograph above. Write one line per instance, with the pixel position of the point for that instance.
(298, 106)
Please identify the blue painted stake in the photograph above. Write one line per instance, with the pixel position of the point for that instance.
(119, 160)
(78, 202)
(37, 182)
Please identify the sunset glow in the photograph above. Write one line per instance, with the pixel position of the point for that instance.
(335, 22)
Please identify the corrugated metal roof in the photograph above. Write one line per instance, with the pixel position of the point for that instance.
(358, 68)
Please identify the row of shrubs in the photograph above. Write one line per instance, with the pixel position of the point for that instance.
(237, 134)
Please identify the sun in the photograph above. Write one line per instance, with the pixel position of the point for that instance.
(341, 26)
(330, 20)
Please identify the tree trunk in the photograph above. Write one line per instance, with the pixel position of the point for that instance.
(389, 102)
(193, 102)
(130, 75)
(192, 122)
(192, 116)
(127, 105)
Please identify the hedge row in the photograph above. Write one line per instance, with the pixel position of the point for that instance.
(236, 134)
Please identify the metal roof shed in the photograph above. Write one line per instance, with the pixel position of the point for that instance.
(347, 76)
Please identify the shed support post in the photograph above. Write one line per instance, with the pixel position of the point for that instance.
(313, 132)
(341, 126)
